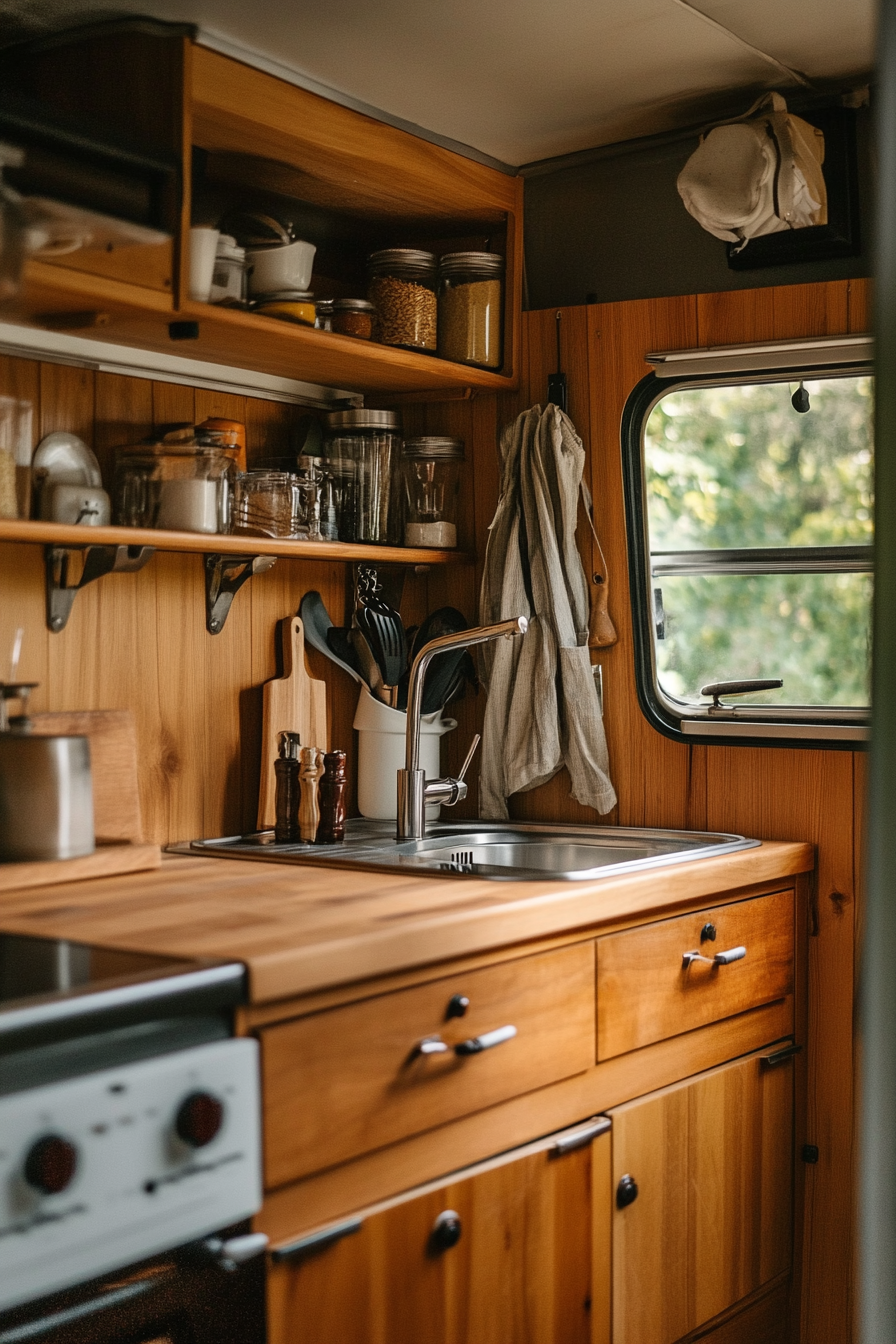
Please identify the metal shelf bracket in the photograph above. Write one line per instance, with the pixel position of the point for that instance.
(224, 577)
(98, 560)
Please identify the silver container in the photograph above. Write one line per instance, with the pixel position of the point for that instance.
(46, 798)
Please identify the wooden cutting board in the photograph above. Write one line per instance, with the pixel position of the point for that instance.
(294, 703)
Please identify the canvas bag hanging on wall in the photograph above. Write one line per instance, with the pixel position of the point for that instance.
(758, 174)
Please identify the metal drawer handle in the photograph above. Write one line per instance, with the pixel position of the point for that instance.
(434, 1045)
(485, 1042)
(720, 958)
(779, 1056)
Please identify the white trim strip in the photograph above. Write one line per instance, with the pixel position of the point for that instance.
(63, 348)
(813, 353)
(831, 732)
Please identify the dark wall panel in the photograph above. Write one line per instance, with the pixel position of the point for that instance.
(614, 228)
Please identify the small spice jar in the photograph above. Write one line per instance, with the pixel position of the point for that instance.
(471, 303)
(430, 469)
(353, 317)
(290, 305)
(402, 289)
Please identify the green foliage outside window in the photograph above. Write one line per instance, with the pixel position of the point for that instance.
(737, 467)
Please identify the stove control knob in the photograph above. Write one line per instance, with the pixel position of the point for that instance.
(51, 1164)
(199, 1118)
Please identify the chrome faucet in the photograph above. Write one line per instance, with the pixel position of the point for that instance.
(414, 789)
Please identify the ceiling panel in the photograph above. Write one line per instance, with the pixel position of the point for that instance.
(521, 80)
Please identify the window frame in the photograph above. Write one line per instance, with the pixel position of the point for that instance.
(740, 723)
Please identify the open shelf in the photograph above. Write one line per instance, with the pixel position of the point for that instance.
(203, 543)
(122, 314)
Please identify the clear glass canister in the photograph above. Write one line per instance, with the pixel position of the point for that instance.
(471, 307)
(402, 289)
(361, 457)
(182, 486)
(430, 469)
(277, 504)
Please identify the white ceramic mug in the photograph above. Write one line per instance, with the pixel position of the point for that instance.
(203, 247)
(276, 268)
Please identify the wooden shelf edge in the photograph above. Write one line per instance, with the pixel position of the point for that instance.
(203, 543)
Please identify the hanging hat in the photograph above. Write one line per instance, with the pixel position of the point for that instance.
(757, 175)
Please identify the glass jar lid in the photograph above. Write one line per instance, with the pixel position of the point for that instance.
(432, 445)
(362, 418)
(407, 259)
(485, 264)
(351, 306)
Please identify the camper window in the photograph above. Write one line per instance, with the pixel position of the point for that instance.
(750, 519)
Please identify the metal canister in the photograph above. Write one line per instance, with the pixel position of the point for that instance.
(46, 798)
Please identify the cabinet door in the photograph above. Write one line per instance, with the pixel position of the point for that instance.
(712, 1220)
(520, 1271)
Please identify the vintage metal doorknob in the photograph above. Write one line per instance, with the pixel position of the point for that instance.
(626, 1192)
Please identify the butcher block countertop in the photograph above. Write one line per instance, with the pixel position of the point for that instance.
(304, 929)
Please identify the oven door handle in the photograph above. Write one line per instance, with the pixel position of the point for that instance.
(51, 1329)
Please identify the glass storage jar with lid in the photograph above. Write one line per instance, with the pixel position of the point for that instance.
(353, 317)
(430, 469)
(182, 483)
(402, 289)
(360, 458)
(471, 308)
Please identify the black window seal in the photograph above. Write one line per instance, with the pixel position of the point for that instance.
(846, 730)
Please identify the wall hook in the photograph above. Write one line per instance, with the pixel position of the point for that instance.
(558, 390)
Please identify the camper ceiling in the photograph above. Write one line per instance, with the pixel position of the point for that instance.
(522, 80)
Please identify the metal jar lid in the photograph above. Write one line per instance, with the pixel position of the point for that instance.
(431, 445)
(285, 296)
(485, 264)
(405, 258)
(352, 306)
(363, 418)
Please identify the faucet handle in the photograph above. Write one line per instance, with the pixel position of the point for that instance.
(470, 754)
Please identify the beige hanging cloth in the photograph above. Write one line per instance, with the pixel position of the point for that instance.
(543, 710)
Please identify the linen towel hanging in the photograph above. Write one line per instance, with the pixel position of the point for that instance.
(543, 710)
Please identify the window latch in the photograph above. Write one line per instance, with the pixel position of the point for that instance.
(719, 688)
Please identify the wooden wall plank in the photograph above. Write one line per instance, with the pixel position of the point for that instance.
(860, 305)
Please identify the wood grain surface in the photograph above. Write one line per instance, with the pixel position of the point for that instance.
(300, 929)
(106, 861)
(712, 1220)
(343, 1082)
(520, 1272)
(113, 766)
(645, 993)
(293, 702)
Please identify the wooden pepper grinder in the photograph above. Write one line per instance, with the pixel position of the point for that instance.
(286, 769)
(310, 771)
(331, 829)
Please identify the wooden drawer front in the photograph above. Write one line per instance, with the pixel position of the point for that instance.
(343, 1082)
(646, 993)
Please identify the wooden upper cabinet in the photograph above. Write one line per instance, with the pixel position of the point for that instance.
(712, 1221)
(246, 139)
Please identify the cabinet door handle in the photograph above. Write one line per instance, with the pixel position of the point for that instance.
(485, 1042)
(317, 1241)
(779, 1056)
(720, 958)
(579, 1138)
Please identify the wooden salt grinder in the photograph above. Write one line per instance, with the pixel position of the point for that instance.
(310, 772)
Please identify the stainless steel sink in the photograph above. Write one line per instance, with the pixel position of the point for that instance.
(502, 851)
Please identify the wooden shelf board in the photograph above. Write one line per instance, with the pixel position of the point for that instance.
(62, 534)
(139, 317)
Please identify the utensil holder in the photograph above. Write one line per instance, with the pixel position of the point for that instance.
(381, 751)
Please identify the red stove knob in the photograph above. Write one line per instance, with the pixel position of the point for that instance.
(199, 1118)
(51, 1164)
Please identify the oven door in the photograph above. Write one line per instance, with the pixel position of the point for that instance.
(187, 1297)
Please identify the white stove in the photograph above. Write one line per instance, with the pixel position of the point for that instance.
(129, 1116)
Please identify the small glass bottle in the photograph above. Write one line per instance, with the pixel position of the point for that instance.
(402, 289)
(471, 306)
(331, 828)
